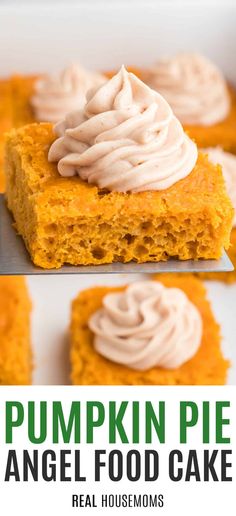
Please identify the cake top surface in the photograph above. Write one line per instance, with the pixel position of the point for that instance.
(28, 148)
(147, 325)
(99, 369)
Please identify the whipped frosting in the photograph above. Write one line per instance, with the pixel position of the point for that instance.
(228, 163)
(193, 86)
(125, 139)
(147, 325)
(55, 96)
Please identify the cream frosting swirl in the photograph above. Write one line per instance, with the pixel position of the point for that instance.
(55, 96)
(228, 163)
(147, 325)
(193, 86)
(125, 139)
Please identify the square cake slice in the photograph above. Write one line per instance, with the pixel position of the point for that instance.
(15, 109)
(15, 348)
(207, 367)
(68, 221)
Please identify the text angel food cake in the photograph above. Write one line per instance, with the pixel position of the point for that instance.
(150, 332)
(199, 96)
(118, 180)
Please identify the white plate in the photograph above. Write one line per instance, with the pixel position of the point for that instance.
(52, 298)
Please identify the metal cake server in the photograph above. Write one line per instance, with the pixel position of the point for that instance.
(14, 258)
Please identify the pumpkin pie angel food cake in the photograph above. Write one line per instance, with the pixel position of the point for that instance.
(147, 333)
(118, 180)
(199, 96)
(27, 99)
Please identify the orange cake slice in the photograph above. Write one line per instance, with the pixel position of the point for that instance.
(66, 220)
(88, 367)
(15, 109)
(22, 91)
(222, 133)
(199, 95)
(122, 181)
(15, 347)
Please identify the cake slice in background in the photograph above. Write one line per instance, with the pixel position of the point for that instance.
(200, 97)
(32, 98)
(15, 341)
(147, 329)
(228, 164)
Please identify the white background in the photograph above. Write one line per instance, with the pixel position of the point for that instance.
(192, 498)
(38, 36)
